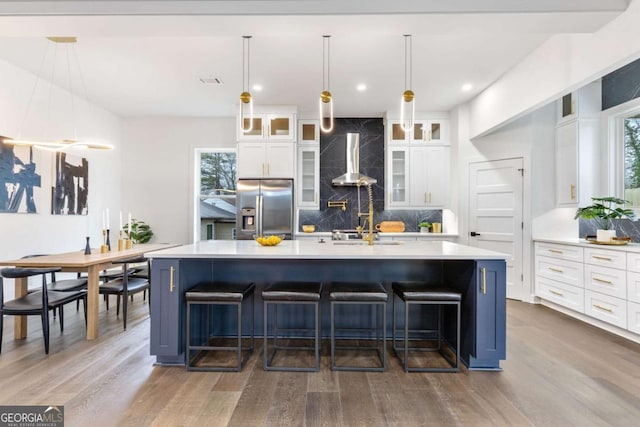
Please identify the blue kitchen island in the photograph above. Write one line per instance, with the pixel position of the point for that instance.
(480, 275)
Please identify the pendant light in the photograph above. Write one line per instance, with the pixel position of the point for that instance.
(408, 102)
(246, 101)
(325, 103)
(72, 141)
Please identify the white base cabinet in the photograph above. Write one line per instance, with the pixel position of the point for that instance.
(601, 284)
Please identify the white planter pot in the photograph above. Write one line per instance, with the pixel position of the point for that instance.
(424, 229)
(605, 235)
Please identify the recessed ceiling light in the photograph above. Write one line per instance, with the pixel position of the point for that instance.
(467, 87)
(257, 88)
(361, 87)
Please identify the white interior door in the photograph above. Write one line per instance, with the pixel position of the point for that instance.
(495, 214)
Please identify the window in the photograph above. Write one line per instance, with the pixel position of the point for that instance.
(215, 194)
(631, 138)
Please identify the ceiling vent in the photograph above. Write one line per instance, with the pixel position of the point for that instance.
(210, 80)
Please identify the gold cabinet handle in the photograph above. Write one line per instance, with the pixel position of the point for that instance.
(315, 197)
(429, 197)
(425, 197)
(263, 169)
(601, 257)
(555, 251)
(573, 192)
(560, 294)
(484, 280)
(172, 270)
(557, 270)
(603, 308)
(268, 169)
(597, 279)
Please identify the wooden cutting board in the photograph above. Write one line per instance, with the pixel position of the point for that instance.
(390, 227)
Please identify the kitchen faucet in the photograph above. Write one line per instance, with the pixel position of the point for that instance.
(368, 215)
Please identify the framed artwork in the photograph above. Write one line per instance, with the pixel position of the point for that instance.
(20, 179)
(70, 190)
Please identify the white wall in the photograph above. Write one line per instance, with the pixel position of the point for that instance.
(561, 64)
(158, 170)
(531, 137)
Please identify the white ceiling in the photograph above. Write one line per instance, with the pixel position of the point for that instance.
(142, 58)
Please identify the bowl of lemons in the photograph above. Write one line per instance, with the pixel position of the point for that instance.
(266, 240)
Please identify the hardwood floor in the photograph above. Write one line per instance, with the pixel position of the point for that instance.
(558, 372)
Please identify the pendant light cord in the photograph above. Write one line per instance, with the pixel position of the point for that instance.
(326, 63)
(33, 91)
(408, 61)
(246, 54)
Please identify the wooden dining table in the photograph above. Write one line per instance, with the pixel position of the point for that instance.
(77, 261)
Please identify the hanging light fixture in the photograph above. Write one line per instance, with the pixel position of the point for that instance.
(408, 102)
(67, 142)
(325, 103)
(246, 101)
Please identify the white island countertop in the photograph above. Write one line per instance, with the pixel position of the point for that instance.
(301, 249)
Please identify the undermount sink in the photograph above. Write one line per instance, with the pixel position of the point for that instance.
(365, 243)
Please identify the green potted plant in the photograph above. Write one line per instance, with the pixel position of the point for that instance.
(140, 231)
(603, 211)
(424, 226)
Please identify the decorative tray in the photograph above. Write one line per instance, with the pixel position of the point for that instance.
(616, 241)
(611, 243)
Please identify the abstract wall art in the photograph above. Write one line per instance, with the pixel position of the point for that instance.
(70, 190)
(20, 179)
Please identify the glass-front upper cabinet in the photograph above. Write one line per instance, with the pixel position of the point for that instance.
(397, 176)
(267, 126)
(308, 131)
(433, 131)
(308, 176)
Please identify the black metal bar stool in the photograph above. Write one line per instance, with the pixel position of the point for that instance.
(420, 293)
(218, 293)
(291, 293)
(373, 295)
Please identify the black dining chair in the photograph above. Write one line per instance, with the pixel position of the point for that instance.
(126, 285)
(38, 302)
(64, 285)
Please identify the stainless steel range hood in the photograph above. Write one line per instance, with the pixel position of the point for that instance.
(353, 175)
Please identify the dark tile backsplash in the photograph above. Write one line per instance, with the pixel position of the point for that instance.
(333, 163)
(623, 227)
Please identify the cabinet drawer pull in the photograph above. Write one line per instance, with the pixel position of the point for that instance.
(597, 279)
(557, 270)
(607, 309)
(573, 192)
(263, 169)
(425, 197)
(484, 280)
(560, 294)
(555, 251)
(172, 270)
(601, 257)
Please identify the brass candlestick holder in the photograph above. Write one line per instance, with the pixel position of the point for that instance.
(104, 248)
(120, 241)
(128, 241)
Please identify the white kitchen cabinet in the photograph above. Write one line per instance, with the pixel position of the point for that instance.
(262, 159)
(577, 135)
(268, 126)
(397, 179)
(308, 183)
(308, 131)
(424, 131)
(417, 176)
(603, 284)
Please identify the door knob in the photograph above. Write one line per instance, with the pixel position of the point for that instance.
(473, 233)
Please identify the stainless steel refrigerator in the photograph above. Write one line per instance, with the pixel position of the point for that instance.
(264, 206)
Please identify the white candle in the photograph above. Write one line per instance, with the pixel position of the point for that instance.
(120, 221)
(107, 218)
(129, 224)
(88, 225)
